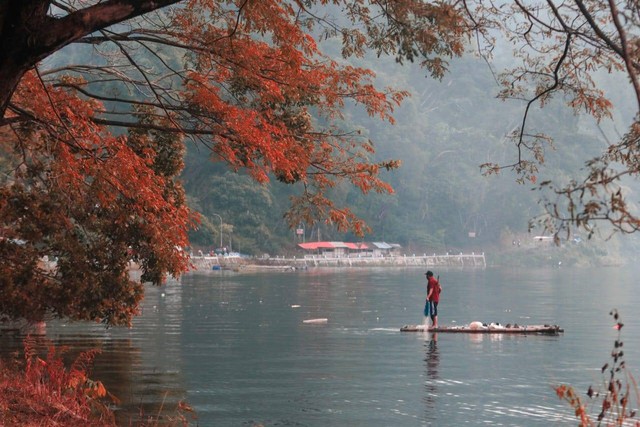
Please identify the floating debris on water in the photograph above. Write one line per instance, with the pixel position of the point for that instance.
(320, 320)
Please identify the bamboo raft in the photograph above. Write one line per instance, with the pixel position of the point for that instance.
(480, 328)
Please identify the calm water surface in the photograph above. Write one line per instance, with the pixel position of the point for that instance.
(235, 347)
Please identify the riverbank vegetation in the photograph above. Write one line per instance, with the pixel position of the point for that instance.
(49, 390)
(38, 391)
(616, 400)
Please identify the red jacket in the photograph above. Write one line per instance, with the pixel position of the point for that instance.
(432, 283)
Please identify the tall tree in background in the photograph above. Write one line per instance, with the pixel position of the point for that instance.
(78, 188)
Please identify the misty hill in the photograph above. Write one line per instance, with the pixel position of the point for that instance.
(444, 131)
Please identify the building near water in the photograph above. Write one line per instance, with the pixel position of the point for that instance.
(349, 249)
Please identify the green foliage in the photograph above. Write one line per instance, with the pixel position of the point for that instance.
(249, 212)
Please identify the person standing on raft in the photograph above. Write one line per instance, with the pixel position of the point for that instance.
(433, 298)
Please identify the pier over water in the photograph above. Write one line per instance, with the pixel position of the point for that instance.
(460, 260)
(447, 260)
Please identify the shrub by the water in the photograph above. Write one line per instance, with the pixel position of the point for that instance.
(45, 392)
(613, 399)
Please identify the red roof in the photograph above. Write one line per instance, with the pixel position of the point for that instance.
(333, 245)
(317, 245)
(357, 245)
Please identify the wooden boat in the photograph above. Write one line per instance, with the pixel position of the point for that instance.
(483, 328)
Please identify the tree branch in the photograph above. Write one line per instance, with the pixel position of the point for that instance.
(80, 23)
(625, 54)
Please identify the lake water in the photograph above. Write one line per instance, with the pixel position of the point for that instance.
(235, 347)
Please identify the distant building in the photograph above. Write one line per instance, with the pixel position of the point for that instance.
(349, 249)
(360, 249)
(381, 249)
(328, 249)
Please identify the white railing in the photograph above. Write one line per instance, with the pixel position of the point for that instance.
(459, 260)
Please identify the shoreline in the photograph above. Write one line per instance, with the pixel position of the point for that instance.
(461, 260)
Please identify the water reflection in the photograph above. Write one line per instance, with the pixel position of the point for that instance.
(142, 388)
(432, 363)
(234, 346)
(142, 367)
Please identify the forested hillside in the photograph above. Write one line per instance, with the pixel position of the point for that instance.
(443, 133)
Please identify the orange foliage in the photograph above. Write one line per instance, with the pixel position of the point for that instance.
(90, 186)
(85, 197)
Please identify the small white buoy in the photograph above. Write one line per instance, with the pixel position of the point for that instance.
(320, 320)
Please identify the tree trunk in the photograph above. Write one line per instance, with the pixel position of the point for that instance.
(10, 75)
(28, 34)
(19, 21)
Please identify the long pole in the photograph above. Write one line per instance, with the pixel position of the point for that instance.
(220, 229)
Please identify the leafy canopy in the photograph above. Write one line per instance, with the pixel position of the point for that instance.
(91, 149)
